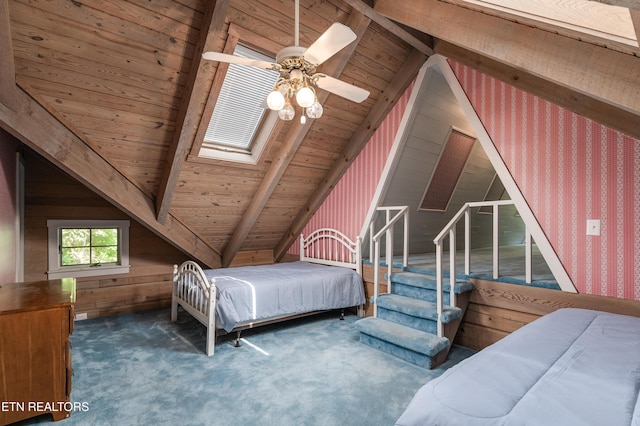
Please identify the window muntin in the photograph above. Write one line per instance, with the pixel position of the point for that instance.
(80, 248)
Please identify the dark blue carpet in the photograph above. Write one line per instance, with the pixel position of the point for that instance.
(142, 369)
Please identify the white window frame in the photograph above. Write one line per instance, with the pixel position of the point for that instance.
(250, 156)
(57, 271)
(257, 142)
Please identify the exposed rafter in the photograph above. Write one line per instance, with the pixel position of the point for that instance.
(54, 141)
(611, 78)
(297, 132)
(360, 138)
(188, 115)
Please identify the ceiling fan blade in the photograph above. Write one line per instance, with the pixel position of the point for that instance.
(340, 88)
(336, 38)
(233, 59)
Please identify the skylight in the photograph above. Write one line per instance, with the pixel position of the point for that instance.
(453, 158)
(239, 111)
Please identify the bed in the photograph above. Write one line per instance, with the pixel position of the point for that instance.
(327, 277)
(569, 367)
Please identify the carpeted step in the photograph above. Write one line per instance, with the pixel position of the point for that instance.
(419, 314)
(423, 286)
(409, 344)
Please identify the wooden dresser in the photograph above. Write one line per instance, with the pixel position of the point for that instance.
(36, 319)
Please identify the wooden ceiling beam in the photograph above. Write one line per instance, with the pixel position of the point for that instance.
(580, 103)
(601, 76)
(297, 132)
(360, 138)
(189, 114)
(7, 67)
(55, 142)
(390, 26)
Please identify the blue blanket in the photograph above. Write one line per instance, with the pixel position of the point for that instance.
(570, 367)
(251, 293)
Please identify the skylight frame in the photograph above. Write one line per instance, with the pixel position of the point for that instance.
(239, 87)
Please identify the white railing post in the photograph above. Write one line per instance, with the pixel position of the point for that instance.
(374, 241)
(405, 256)
(452, 266)
(371, 228)
(467, 242)
(527, 254)
(449, 230)
(439, 289)
(496, 242)
(389, 252)
(376, 278)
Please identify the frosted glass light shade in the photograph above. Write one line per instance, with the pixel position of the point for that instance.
(287, 112)
(305, 97)
(315, 110)
(275, 100)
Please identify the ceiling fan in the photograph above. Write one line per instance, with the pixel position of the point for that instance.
(298, 77)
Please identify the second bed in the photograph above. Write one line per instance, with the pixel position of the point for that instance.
(327, 277)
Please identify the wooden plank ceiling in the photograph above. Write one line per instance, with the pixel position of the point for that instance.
(115, 94)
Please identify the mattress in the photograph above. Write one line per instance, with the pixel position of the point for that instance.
(252, 293)
(570, 367)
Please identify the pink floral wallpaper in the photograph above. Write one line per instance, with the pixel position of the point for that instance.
(345, 209)
(569, 169)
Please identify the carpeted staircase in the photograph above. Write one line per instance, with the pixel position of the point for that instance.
(406, 325)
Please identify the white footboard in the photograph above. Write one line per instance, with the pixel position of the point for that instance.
(197, 296)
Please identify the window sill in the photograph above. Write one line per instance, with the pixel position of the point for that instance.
(88, 272)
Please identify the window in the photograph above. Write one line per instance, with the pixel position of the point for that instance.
(82, 248)
(445, 177)
(241, 124)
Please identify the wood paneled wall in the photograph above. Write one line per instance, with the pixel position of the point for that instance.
(8, 207)
(51, 194)
(497, 309)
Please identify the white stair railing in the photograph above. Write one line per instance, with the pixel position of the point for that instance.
(402, 212)
(450, 231)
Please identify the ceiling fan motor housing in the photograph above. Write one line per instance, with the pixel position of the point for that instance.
(292, 58)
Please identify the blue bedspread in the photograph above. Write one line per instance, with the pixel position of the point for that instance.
(570, 367)
(251, 293)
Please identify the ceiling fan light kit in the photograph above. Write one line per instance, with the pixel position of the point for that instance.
(299, 85)
(298, 78)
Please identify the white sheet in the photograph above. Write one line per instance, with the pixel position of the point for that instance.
(570, 367)
(258, 292)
